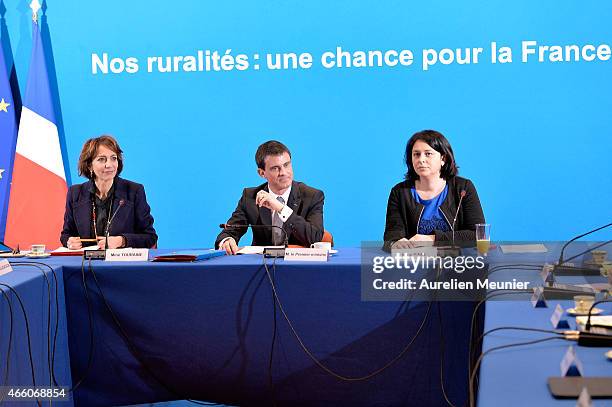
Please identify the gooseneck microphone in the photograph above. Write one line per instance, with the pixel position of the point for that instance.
(570, 270)
(231, 225)
(110, 221)
(578, 237)
(462, 194)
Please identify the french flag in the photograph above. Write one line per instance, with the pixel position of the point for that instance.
(38, 190)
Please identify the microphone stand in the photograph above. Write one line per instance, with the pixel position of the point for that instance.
(100, 254)
(267, 251)
(561, 269)
(452, 250)
(553, 291)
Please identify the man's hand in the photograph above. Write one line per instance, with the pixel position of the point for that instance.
(74, 243)
(229, 246)
(267, 200)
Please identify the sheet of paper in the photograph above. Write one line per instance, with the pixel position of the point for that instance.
(63, 249)
(605, 320)
(255, 249)
(523, 248)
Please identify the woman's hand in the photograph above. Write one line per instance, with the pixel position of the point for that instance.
(114, 242)
(74, 243)
(423, 238)
(415, 241)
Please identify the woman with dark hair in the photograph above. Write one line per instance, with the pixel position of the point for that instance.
(106, 205)
(421, 210)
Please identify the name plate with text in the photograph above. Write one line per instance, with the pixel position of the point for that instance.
(571, 365)
(127, 255)
(5, 267)
(305, 254)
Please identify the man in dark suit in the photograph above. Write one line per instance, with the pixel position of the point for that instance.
(283, 202)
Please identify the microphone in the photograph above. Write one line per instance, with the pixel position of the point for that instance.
(554, 291)
(231, 225)
(578, 237)
(456, 215)
(570, 270)
(453, 250)
(110, 221)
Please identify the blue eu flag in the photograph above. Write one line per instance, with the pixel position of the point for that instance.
(8, 140)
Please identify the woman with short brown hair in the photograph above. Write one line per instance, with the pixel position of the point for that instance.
(107, 208)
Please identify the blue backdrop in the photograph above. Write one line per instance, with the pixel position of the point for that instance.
(534, 137)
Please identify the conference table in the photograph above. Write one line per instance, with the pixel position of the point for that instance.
(518, 375)
(145, 332)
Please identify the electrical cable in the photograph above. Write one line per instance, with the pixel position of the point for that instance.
(274, 330)
(473, 374)
(491, 294)
(27, 327)
(587, 251)
(132, 347)
(532, 267)
(318, 362)
(49, 313)
(57, 313)
(10, 340)
(91, 330)
(242, 330)
(450, 403)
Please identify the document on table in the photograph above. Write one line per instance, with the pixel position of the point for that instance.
(64, 251)
(256, 249)
(523, 248)
(603, 320)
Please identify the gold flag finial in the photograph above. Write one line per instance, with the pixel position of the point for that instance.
(35, 6)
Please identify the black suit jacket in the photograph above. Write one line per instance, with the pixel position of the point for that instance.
(132, 221)
(404, 213)
(304, 226)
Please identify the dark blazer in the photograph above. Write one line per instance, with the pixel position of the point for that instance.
(304, 226)
(404, 213)
(132, 221)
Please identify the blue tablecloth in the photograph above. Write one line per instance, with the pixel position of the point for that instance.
(204, 331)
(518, 376)
(32, 289)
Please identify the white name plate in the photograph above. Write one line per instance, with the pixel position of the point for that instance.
(556, 320)
(546, 270)
(5, 267)
(127, 255)
(570, 364)
(537, 299)
(305, 254)
(584, 400)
